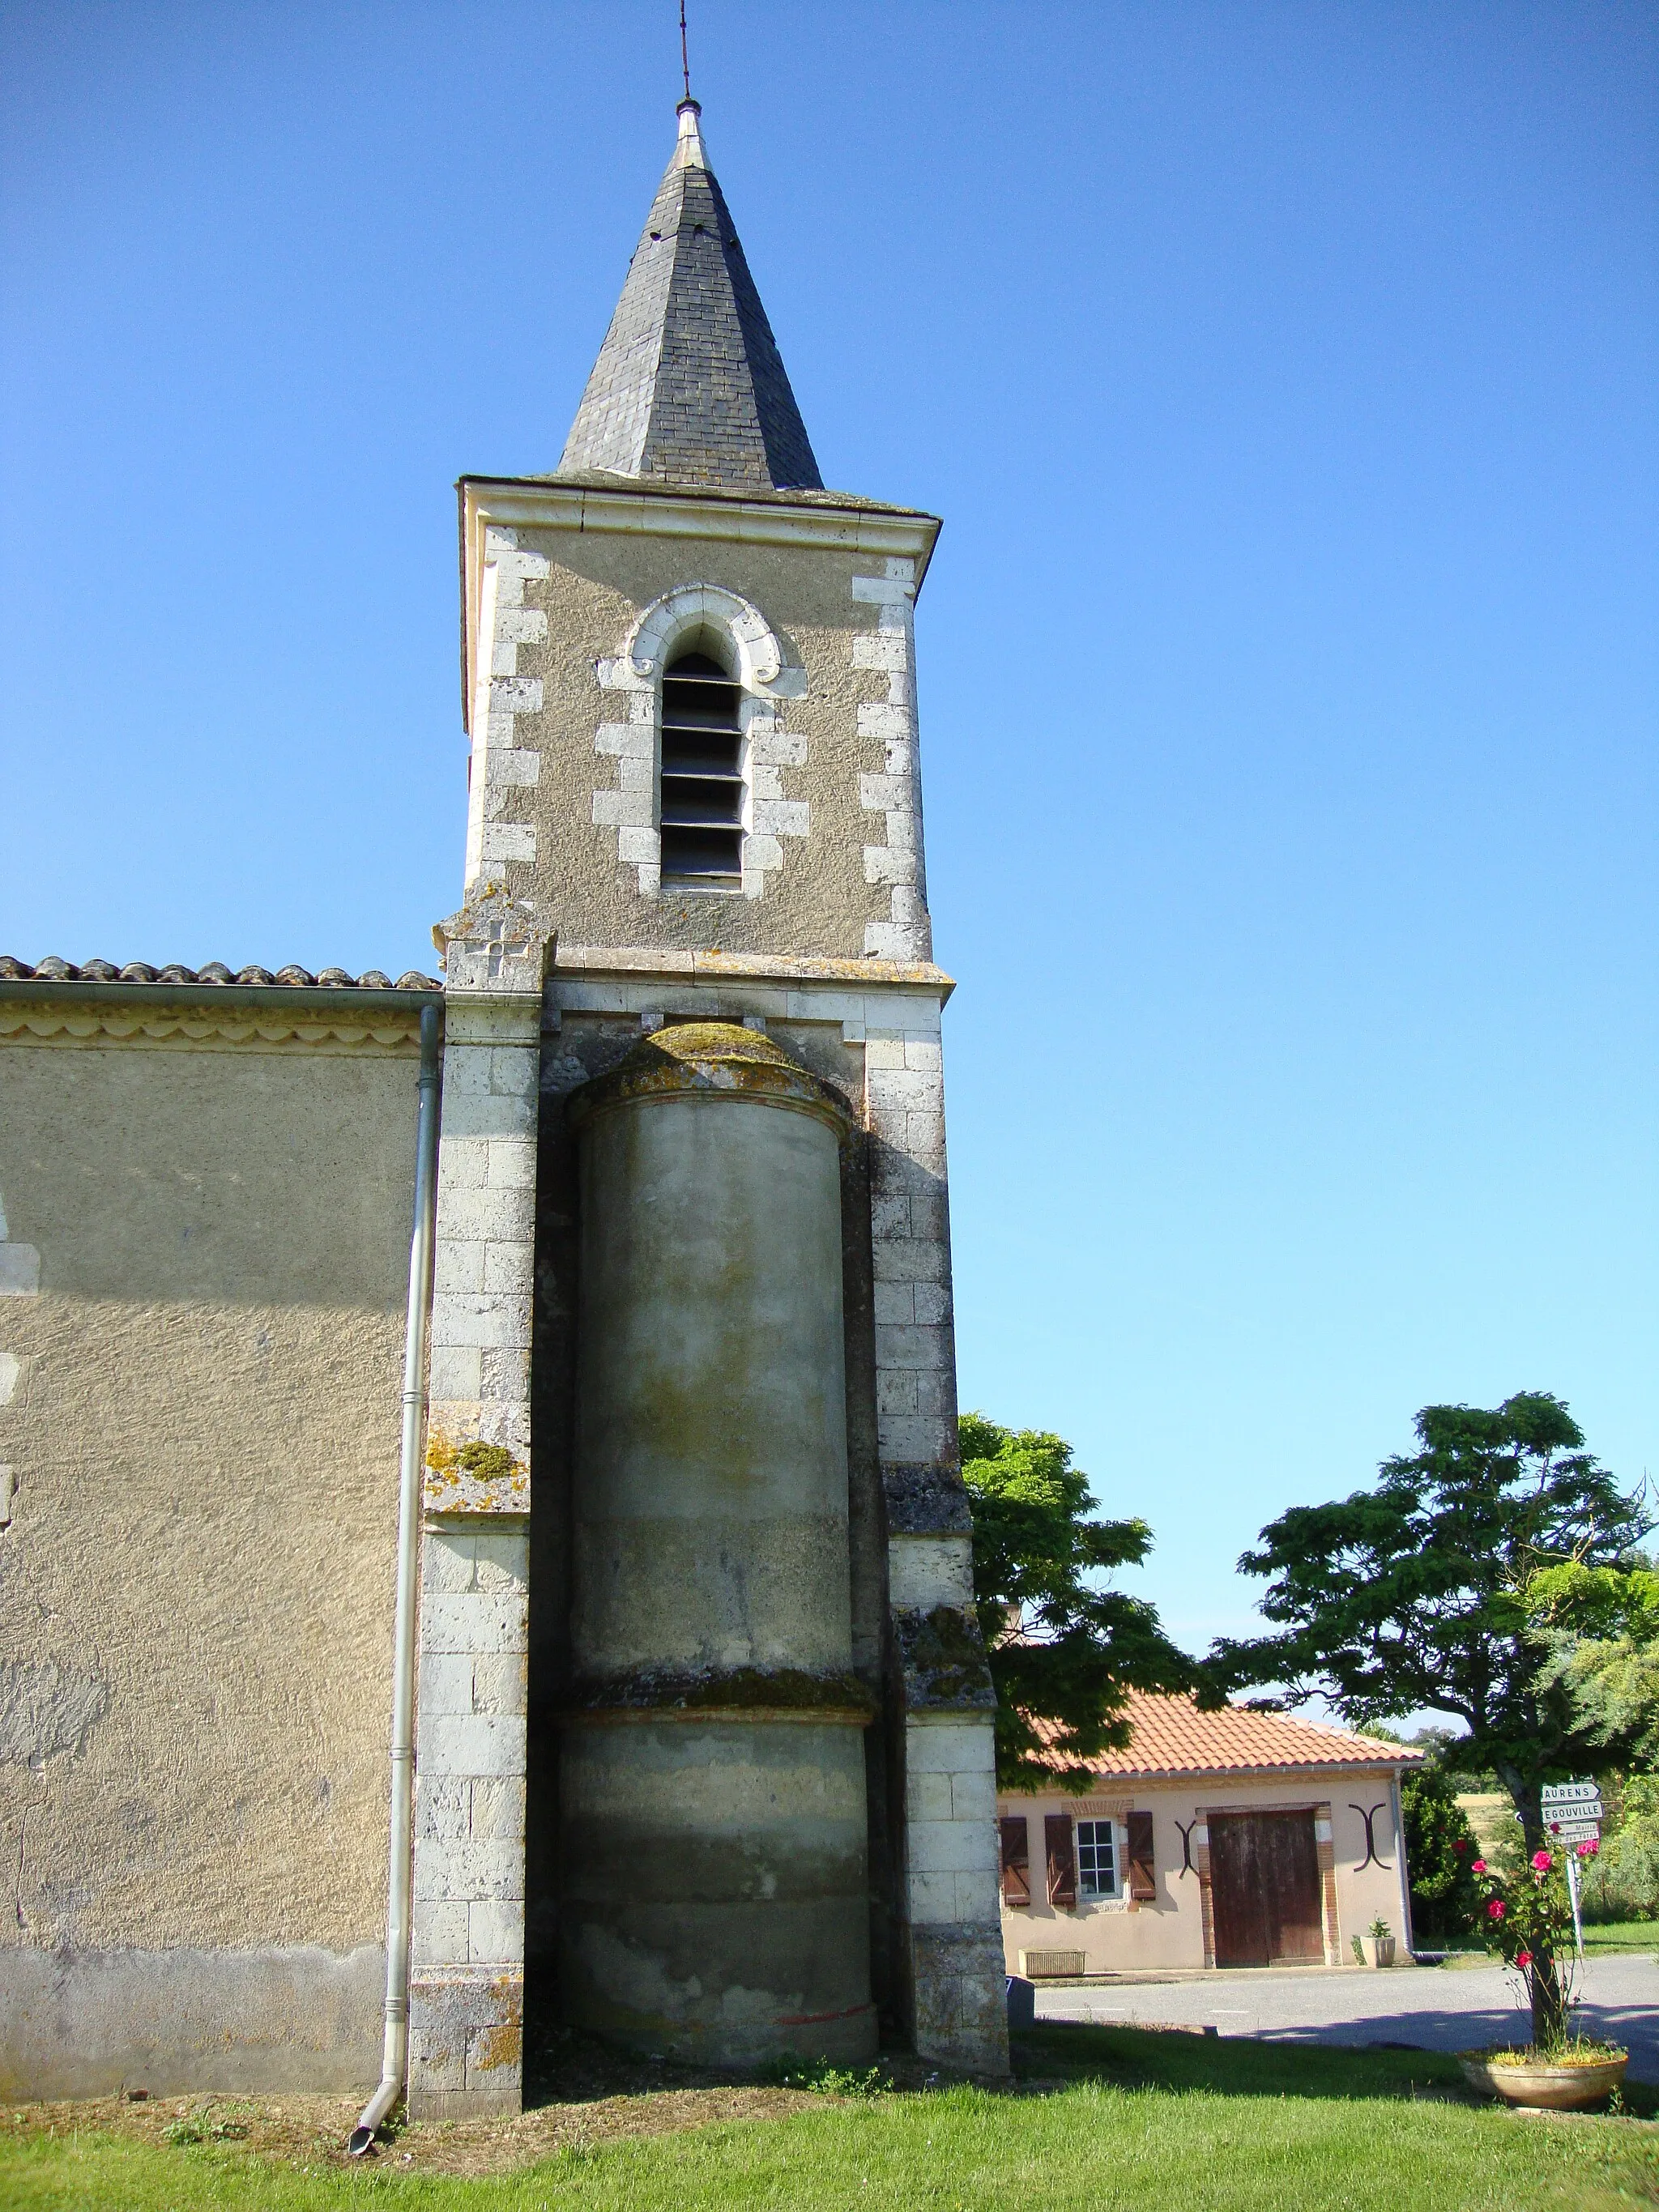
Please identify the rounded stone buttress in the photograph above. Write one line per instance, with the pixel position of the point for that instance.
(714, 1898)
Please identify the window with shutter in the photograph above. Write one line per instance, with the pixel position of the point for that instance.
(1143, 1881)
(1062, 1860)
(1016, 1861)
(1097, 1859)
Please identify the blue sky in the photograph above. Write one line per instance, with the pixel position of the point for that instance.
(1285, 375)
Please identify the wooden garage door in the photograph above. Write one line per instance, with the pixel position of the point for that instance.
(1264, 1882)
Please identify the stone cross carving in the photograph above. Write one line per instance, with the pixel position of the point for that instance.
(493, 943)
(499, 949)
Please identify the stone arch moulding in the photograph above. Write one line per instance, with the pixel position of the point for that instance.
(763, 663)
(769, 673)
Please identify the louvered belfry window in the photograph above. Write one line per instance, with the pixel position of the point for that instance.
(702, 780)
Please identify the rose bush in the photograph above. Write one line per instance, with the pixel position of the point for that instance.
(1529, 1925)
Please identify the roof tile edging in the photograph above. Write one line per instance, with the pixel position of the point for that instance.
(52, 969)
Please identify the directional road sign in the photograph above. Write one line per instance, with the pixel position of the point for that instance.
(1574, 1831)
(1576, 1794)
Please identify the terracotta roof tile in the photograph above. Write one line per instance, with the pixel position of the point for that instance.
(1172, 1737)
(52, 969)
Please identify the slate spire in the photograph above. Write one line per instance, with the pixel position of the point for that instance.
(688, 387)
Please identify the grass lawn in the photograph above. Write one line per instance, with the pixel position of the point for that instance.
(1602, 1939)
(1621, 1935)
(1104, 2118)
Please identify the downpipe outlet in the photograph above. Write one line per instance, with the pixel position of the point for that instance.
(373, 2113)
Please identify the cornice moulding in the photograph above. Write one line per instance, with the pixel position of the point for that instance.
(716, 1715)
(216, 1015)
(514, 503)
(518, 503)
(325, 1000)
(865, 975)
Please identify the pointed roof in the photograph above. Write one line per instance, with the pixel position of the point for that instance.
(689, 387)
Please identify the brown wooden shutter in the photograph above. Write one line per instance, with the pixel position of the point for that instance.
(1143, 1882)
(1062, 1860)
(1016, 1861)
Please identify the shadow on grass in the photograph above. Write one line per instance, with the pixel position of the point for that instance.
(1226, 2066)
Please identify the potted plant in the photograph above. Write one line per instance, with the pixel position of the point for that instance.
(1528, 1923)
(1378, 1944)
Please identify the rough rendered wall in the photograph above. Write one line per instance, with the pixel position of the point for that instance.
(196, 1582)
(835, 752)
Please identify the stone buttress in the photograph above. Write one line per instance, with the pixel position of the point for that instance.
(705, 1748)
(466, 1994)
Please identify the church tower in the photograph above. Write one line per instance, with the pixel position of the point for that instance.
(705, 1750)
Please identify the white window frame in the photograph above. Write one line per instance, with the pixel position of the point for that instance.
(1085, 1893)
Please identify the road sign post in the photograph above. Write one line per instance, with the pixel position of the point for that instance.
(1572, 1814)
(1572, 1892)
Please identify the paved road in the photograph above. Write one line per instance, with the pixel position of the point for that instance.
(1436, 2008)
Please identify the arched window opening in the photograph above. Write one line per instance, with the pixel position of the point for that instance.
(700, 791)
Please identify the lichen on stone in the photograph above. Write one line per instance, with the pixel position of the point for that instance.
(483, 1463)
(943, 1655)
(926, 1499)
(712, 1058)
(730, 1689)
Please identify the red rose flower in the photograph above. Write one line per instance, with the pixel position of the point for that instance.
(1477, 1866)
(1541, 1862)
(1588, 1849)
(1524, 1958)
(1496, 1908)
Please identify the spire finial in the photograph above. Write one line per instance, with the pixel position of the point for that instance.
(688, 151)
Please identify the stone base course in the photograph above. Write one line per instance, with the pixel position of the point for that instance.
(82, 2023)
(465, 2044)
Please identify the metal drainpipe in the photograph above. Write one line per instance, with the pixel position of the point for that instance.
(399, 1879)
(1405, 1869)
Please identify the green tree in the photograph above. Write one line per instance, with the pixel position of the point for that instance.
(1414, 1594)
(1062, 1649)
(1598, 1628)
(1441, 1848)
(1627, 1870)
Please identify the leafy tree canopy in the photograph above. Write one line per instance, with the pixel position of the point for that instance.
(1604, 1601)
(1414, 1593)
(1061, 1649)
(1599, 1630)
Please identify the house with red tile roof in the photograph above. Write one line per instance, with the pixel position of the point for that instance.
(1224, 1839)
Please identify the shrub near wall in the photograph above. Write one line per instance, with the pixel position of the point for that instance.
(1623, 1882)
(1440, 1850)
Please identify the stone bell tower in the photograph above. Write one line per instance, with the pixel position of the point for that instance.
(704, 1747)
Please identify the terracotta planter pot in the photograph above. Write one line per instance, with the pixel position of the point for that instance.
(1378, 1949)
(1542, 2087)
